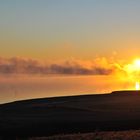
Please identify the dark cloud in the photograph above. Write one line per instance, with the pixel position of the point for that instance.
(78, 70)
(29, 66)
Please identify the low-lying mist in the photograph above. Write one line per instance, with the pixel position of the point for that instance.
(19, 87)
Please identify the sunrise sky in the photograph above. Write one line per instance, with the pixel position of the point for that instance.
(70, 37)
(62, 29)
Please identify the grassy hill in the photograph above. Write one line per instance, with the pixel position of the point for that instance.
(119, 110)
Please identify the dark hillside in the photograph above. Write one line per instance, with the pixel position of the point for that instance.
(119, 110)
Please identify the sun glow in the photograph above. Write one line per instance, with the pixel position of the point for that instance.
(133, 72)
(135, 66)
(137, 86)
(137, 63)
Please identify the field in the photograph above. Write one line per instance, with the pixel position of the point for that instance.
(117, 111)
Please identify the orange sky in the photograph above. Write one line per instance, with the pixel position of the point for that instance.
(74, 29)
(69, 38)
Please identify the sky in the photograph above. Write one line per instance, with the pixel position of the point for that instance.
(69, 38)
(64, 29)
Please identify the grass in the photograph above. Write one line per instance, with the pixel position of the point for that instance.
(103, 135)
(111, 135)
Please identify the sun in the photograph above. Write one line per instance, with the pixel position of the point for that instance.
(133, 72)
(134, 67)
(136, 63)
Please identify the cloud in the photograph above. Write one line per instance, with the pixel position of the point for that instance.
(77, 70)
(98, 66)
